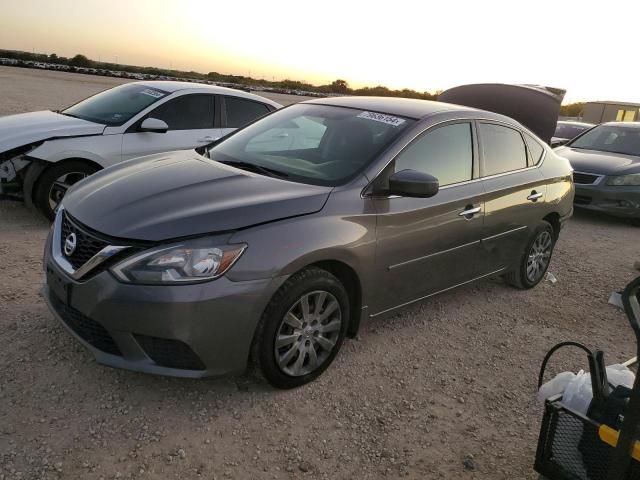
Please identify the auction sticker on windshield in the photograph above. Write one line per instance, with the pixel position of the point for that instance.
(381, 117)
(153, 93)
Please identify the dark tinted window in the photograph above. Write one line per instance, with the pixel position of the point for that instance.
(188, 112)
(240, 111)
(568, 130)
(503, 149)
(446, 153)
(611, 138)
(535, 149)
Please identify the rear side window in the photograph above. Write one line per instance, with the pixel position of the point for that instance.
(445, 152)
(241, 111)
(187, 112)
(503, 149)
(535, 149)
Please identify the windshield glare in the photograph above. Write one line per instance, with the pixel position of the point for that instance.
(315, 144)
(117, 105)
(611, 138)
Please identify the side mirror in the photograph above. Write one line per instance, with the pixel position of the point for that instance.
(153, 125)
(631, 303)
(411, 183)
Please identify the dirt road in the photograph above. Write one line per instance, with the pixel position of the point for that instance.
(444, 390)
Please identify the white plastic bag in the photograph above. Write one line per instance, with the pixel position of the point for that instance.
(555, 386)
(576, 389)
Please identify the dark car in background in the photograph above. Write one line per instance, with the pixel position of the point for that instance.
(568, 130)
(606, 163)
(273, 244)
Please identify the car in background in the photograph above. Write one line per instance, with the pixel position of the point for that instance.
(568, 130)
(42, 154)
(275, 243)
(606, 163)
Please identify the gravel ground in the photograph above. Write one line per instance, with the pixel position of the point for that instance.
(443, 390)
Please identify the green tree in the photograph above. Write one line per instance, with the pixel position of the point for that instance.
(572, 109)
(339, 86)
(80, 61)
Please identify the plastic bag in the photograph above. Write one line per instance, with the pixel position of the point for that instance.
(576, 389)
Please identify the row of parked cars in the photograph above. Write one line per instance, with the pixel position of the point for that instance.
(271, 243)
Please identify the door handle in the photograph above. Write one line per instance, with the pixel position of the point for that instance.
(207, 139)
(534, 196)
(469, 212)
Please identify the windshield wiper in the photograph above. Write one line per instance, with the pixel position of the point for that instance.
(252, 167)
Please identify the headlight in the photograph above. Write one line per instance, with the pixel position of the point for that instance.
(625, 180)
(196, 260)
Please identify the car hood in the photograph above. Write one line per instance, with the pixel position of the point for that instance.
(26, 128)
(603, 163)
(179, 194)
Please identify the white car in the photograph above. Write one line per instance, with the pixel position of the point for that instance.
(43, 153)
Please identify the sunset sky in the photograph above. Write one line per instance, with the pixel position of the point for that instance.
(586, 47)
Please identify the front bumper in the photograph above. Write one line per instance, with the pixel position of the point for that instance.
(195, 330)
(613, 200)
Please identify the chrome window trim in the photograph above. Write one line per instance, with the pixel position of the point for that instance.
(56, 251)
(473, 180)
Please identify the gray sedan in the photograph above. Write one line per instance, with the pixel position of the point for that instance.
(606, 160)
(274, 244)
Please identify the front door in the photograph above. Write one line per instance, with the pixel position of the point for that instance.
(425, 245)
(191, 124)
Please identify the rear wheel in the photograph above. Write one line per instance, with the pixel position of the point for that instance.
(535, 259)
(302, 328)
(54, 182)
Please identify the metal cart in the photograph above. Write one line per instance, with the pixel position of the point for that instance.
(601, 445)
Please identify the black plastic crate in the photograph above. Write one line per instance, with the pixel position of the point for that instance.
(569, 447)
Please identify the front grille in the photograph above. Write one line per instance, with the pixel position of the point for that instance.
(581, 200)
(89, 330)
(585, 178)
(170, 353)
(87, 244)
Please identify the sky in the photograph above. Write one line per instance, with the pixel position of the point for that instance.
(587, 47)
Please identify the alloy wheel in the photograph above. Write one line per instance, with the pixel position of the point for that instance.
(63, 183)
(308, 333)
(539, 256)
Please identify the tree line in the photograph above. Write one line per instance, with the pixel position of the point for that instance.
(336, 87)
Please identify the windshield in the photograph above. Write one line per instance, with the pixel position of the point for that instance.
(315, 144)
(611, 138)
(568, 130)
(117, 105)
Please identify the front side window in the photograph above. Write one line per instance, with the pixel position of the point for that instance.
(535, 149)
(187, 112)
(445, 152)
(117, 105)
(316, 144)
(610, 138)
(241, 111)
(503, 149)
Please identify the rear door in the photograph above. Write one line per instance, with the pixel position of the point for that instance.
(238, 112)
(425, 245)
(515, 194)
(191, 121)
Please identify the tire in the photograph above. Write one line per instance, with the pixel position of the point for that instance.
(55, 181)
(302, 338)
(541, 244)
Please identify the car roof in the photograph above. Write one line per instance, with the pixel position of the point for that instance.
(403, 107)
(622, 124)
(574, 122)
(175, 86)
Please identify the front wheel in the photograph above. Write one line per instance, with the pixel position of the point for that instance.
(54, 182)
(535, 259)
(302, 329)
